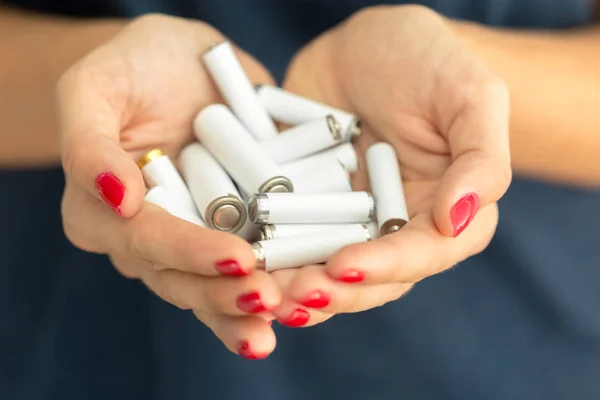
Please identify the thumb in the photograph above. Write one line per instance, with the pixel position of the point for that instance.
(480, 172)
(92, 156)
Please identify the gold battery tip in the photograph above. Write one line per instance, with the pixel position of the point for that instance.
(149, 156)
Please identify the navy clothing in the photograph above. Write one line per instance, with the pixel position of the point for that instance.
(519, 321)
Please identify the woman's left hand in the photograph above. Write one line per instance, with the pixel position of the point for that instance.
(416, 85)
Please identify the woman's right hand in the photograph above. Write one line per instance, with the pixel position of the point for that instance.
(140, 91)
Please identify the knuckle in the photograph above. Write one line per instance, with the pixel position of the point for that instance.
(135, 238)
(71, 160)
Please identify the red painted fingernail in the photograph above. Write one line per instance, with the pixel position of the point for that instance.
(243, 349)
(111, 190)
(250, 303)
(352, 276)
(464, 211)
(298, 318)
(316, 299)
(230, 267)
(270, 322)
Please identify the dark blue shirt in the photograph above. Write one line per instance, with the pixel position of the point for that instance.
(519, 321)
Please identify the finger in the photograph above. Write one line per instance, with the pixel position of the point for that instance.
(294, 315)
(313, 288)
(413, 253)
(155, 238)
(250, 337)
(480, 172)
(253, 294)
(92, 155)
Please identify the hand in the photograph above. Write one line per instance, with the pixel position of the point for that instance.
(137, 92)
(415, 85)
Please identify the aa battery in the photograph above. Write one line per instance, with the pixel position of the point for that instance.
(237, 151)
(308, 248)
(303, 140)
(386, 186)
(237, 90)
(311, 208)
(213, 191)
(278, 231)
(158, 170)
(344, 153)
(325, 175)
(292, 109)
(161, 197)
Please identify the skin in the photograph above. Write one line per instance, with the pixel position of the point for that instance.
(114, 105)
(445, 111)
(436, 101)
(125, 98)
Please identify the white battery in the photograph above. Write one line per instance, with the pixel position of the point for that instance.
(231, 144)
(386, 186)
(311, 208)
(303, 140)
(158, 170)
(213, 191)
(237, 90)
(344, 153)
(325, 175)
(278, 231)
(308, 248)
(161, 197)
(292, 109)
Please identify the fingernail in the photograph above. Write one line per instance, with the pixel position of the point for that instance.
(464, 211)
(230, 267)
(243, 349)
(111, 190)
(316, 299)
(352, 276)
(298, 318)
(250, 303)
(271, 322)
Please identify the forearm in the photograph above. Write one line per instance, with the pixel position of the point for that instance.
(554, 79)
(37, 49)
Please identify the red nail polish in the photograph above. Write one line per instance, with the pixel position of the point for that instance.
(298, 318)
(111, 189)
(316, 299)
(230, 267)
(243, 349)
(463, 212)
(352, 276)
(270, 323)
(250, 303)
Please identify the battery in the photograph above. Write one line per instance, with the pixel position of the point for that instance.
(158, 170)
(311, 208)
(303, 140)
(277, 231)
(325, 175)
(231, 144)
(292, 109)
(307, 248)
(237, 90)
(386, 186)
(161, 197)
(344, 153)
(213, 191)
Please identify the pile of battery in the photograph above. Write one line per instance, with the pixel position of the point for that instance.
(288, 193)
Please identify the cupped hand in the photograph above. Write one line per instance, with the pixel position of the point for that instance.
(141, 91)
(416, 85)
